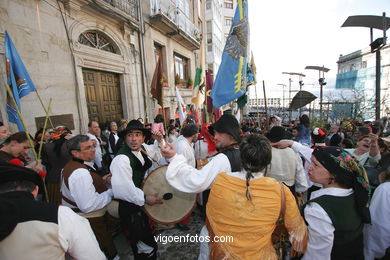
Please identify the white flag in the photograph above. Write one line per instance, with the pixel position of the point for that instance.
(182, 105)
(238, 115)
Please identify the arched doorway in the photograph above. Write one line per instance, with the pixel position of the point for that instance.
(102, 88)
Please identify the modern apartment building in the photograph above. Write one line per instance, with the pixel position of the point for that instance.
(356, 72)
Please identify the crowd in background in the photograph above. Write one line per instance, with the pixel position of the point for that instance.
(365, 141)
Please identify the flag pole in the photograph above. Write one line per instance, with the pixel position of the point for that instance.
(164, 119)
(258, 107)
(266, 109)
(44, 108)
(27, 135)
(41, 145)
(44, 129)
(21, 119)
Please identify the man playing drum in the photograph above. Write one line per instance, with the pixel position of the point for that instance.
(128, 170)
(184, 145)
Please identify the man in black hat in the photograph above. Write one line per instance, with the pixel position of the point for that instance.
(187, 178)
(128, 170)
(33, 230)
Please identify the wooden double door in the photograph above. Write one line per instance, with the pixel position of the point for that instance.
(103, 95)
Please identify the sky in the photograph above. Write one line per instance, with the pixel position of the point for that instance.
(288, 35)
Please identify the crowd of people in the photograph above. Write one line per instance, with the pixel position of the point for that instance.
(326, 187)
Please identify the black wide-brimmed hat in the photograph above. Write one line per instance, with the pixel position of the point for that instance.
(276, 134)
(228, 124)
(10, 172)
(134, 125)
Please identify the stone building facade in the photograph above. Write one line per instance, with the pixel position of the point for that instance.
(94, 58)
(173, 32)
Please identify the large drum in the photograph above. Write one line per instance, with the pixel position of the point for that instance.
(176, 204)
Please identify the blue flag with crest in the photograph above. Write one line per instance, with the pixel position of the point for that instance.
(230, 82)
(18, 80)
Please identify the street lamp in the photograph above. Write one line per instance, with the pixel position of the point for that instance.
(321, 81)
(377, 22)
(289, 86)
(283, 85)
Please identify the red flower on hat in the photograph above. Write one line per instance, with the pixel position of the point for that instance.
(321, 133)
(16, 161)
(42, 174)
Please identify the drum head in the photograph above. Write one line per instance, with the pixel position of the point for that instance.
(176, 204)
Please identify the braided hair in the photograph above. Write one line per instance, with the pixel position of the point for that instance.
(256, 155)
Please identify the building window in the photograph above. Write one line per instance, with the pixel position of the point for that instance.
(208, 5)
(364, 64)
(228, 21)
(209, 38)
(98, 40)
(209, 26)
(181, 67)
(209, 47)
(228, 5)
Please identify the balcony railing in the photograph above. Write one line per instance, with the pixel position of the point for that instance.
(130, 7)
(169, 10)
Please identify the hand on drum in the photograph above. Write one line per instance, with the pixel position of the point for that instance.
(152, 200)
(168, 151)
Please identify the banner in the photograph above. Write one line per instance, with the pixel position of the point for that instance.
(156, 86)
(230, 82)
(198, 93)
(18, 80)
(182, 106)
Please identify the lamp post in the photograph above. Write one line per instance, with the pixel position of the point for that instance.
(289, 86)
(321, 81)
(283, 85)
(373, 22)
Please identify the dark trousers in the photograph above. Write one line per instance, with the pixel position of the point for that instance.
(136, 228)
(103, 236)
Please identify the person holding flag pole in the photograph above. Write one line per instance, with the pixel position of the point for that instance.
(18, 85)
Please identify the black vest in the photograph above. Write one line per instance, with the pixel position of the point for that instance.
(233, 154)
(348, 234)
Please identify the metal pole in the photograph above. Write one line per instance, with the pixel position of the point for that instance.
(378, 85)
(284, 108)
(289, 98)
(300, 89)
(321, 103)
(257, 107)
(266, 109)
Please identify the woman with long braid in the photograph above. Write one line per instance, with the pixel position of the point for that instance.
(246, 205)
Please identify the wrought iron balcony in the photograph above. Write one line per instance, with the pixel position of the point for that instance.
(167, 17)
(129, 7)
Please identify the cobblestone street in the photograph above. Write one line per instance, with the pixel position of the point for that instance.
(173, 250)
